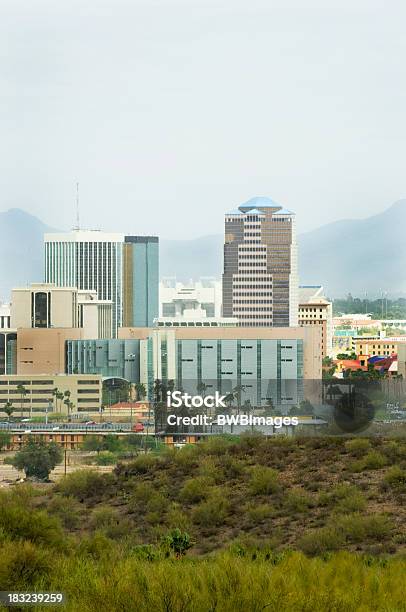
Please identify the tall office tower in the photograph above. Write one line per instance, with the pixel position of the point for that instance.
(260, 278)
(123, 269)
(140, 281)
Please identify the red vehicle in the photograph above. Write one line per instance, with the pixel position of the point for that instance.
(138, 427)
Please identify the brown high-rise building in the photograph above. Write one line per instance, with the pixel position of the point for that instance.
(260, 279)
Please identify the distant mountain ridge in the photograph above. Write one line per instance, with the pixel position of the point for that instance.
(353, 255)
(21, 250)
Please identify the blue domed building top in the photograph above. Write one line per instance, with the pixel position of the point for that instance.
(260, 202)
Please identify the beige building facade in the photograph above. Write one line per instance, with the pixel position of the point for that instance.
(316, 311)
(46, 306)
(42, 351)
(34, 394)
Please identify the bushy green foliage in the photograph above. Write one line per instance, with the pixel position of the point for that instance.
(195, 489)
(84, 484)
(5, 439)
(373, 460)
(257, 513)
(211, 512)
(37, 458)
(143, 464)
(298, 500)
(20, 521)
(67, 509)
(177, 541)
(319, 541)
(24, 565)
(264, 480)
(106, 458)
(395, 479)
(343, 498)
(358, 446)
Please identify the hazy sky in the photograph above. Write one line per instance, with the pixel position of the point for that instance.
(171, 112)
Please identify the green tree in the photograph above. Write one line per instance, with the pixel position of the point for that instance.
(23, 392)
(97, 444)
(93, 444)
(179, 542)
(5, 439)
(55, 392)
(8, 409)
(37, 458)
(140, 391)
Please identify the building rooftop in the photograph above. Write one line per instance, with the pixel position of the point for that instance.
(260, 201)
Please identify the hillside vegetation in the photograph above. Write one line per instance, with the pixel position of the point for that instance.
(226, 525)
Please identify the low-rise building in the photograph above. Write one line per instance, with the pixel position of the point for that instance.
(35, 394)
(365, 349)
(316, 310)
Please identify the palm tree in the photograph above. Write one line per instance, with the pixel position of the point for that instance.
(67, 401)
(140, 391)
(23, 392)
(59, 396)
(8, 409)
(55, 392)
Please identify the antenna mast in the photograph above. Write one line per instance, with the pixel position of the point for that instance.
(77, 207)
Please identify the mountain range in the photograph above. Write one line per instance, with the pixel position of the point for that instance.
(353, 255)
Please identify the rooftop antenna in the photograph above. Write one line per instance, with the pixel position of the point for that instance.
(77, 208)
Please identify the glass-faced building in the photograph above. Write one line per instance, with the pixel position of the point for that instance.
(260, 278)
(266, 364)
(110, 358)
(140, 281)
(123, 269)
(8, 352)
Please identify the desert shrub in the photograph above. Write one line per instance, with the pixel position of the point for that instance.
(212, 512)
(319, 541)
(195, 489)
(24, 564)
(217, 445)
(298, 500)
(232, 467)
(264, 480)
(210, 468)
(358, 446)
(358, 527)
(374, 460)
(83, 484)
(19, 522)
(257, 513)
(175, 517)
(145, 552)
(394, 450)
(103, 517)
(187, 456)
(157, 503)
(353, 502)
(395, 479)
(96, 546)
(67, 509)
(143, 464)
(140, 496)
(343, 498)
(105, 458)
